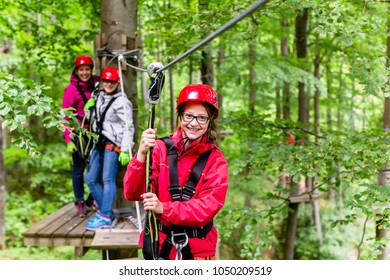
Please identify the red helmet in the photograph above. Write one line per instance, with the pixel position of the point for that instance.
(111, 74)
(198, 92)
(83, 60)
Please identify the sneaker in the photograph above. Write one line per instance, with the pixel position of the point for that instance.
(94, 206)
(91, 203)
(91, 219)
(81, 209)
(98, 222)
(98, 214)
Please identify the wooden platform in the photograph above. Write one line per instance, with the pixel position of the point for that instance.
(65, 228)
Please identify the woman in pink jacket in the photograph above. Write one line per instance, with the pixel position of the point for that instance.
(185, 215)
(76, 94)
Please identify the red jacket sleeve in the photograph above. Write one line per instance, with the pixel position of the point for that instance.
(134, 181)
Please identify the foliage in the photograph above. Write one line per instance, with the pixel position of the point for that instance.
(20, 98)
(341, 163)
(45, 253)
(48, 188)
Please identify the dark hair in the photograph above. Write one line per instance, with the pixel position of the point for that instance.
(212, 130)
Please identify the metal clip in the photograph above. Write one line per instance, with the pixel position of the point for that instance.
(179, 245)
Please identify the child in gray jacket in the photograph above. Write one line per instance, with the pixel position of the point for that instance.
(111, 113)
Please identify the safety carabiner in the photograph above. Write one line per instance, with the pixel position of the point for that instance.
(179, 245)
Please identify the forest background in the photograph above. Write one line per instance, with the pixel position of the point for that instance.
(315, 71)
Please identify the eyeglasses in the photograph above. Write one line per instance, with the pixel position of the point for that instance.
(200, 119)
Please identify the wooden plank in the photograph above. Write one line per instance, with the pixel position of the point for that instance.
(79, 236)
(37, 241)
(31, 232)
(65, 228)
(62, 221)
(115, 239)
(80, 251)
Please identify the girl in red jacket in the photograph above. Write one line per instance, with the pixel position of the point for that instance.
(185, 222)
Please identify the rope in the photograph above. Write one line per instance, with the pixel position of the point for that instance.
(121, 58)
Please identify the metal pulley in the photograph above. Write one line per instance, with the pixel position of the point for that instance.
(157, 80)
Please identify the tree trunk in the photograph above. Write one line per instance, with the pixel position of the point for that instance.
(301, 37)
(386, 114)
(278, 102)
(2, 188)
(144, 87)
(315, 202)
(207, 66)
(384, 177)
(172, 101)
(303, 116)
(286, 85)
(252, 70)
(219, 86)
(118, 29)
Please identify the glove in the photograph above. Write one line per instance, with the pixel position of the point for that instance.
(90, 103)
(71, 147)
(124, 158)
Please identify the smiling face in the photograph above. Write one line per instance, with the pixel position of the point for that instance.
(84, 72)
(193, 113)
(109, 86)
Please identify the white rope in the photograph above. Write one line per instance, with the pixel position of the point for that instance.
(120, 58)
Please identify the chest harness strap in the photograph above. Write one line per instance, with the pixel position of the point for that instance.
(177, 236)
(100, 145)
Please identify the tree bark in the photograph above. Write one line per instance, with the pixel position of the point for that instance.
(286, 85)
(301, 45)
(252, 70)
(219, 86)
(172, 101)
(315, 202)
(303, 116)
(2, 188)
(118, 27)
(207, 66)
(384, 178)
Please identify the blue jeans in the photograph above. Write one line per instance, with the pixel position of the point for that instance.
(78, 176)
(103, 165)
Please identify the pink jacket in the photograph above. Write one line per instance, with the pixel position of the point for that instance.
(72, 98)
(201, 208)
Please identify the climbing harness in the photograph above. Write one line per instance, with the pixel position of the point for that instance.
(177, 236)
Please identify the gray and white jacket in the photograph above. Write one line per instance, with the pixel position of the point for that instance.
(115, 126)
